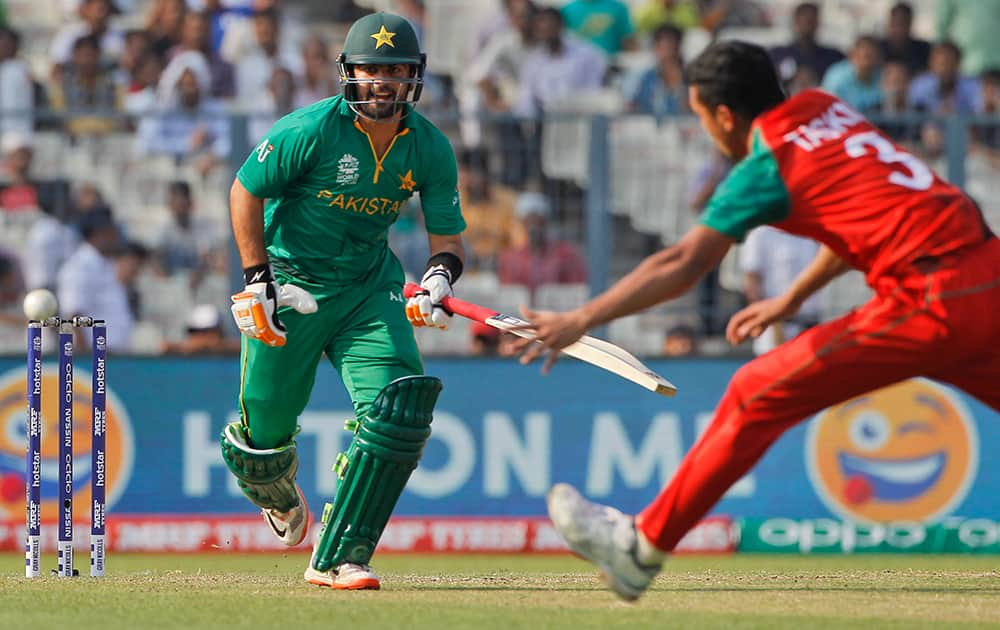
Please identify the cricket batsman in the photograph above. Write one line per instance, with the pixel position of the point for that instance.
(311, 208)
(812, 166)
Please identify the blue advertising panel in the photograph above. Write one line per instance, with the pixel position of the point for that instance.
(503, 434)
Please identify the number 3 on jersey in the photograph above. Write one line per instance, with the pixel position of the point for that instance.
(919, 177)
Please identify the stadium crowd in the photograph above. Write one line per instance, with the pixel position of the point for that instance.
(117, 137)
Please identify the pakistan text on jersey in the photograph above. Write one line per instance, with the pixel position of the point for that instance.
(361, 205)
(830, 125)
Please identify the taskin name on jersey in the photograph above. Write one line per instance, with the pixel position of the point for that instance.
(830, 125)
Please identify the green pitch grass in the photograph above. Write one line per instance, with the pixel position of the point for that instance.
(266, 592)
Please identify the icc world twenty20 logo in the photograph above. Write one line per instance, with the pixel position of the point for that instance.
(117, 467)
(907, 452)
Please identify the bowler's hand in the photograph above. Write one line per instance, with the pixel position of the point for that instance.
(753, 320)
(552, 330)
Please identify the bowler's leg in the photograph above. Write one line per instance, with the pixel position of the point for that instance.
(879, 344)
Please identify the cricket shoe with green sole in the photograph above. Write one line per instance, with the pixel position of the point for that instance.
(292, 526)
(345, 577)
(604, 536)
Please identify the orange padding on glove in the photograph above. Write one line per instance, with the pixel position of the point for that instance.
(263, 331)
(413, 314)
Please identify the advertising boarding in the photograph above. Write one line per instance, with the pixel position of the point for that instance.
(896, 470)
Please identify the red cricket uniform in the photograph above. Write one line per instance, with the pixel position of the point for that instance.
(818, 169)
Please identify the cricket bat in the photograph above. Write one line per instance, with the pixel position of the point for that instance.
(598, 352)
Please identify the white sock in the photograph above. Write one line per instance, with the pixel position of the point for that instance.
(647, 552)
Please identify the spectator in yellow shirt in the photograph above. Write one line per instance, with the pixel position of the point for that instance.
(682, 14)
(488, 208)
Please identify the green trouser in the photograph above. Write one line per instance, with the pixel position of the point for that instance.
(364, 332)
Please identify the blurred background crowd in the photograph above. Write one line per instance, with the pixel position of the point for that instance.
(122, 122)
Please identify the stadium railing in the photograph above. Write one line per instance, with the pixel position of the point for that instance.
(621, 186)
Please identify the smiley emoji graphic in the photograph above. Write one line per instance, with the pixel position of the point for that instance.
(907, 452)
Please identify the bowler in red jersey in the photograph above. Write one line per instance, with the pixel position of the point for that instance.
(814, 167)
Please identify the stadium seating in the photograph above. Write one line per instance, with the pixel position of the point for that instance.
(654, 165)
(560, 297)
(566, 134)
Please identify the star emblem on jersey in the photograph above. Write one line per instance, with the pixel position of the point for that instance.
(382, 38)
(408, 182)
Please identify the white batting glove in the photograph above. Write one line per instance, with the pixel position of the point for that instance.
(424, 308)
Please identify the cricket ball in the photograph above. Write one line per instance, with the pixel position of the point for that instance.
(40, 304)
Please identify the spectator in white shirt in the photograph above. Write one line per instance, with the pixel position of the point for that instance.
(319, 77)
(43, 203)
(491, 81)
(165, 24)
(88, 281)
(498, 22)
(277, 100)
(71, 7)
(95, 19)
(492, 85)
(559, 66)
(16, 89)
(189, 126)
(496, 72)
(232, 24)
(141, 97)
(255, 68)
(196, 37)
(186, 241)
(771, 259)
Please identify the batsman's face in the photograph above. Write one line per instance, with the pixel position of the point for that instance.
(381, 85)
(721, 125)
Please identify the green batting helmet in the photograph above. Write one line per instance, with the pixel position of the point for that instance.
(382, 39)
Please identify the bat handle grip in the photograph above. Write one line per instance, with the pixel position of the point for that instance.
(412, 288)
(455, 306)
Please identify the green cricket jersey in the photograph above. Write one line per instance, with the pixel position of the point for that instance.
(331, 199)
(752, 194)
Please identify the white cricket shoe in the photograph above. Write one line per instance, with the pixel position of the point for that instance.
(345, 577)
(604, 536)
(292, 526)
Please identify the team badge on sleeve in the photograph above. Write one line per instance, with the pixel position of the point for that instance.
(263, 150)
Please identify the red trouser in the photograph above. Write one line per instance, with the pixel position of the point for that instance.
(943, 325)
